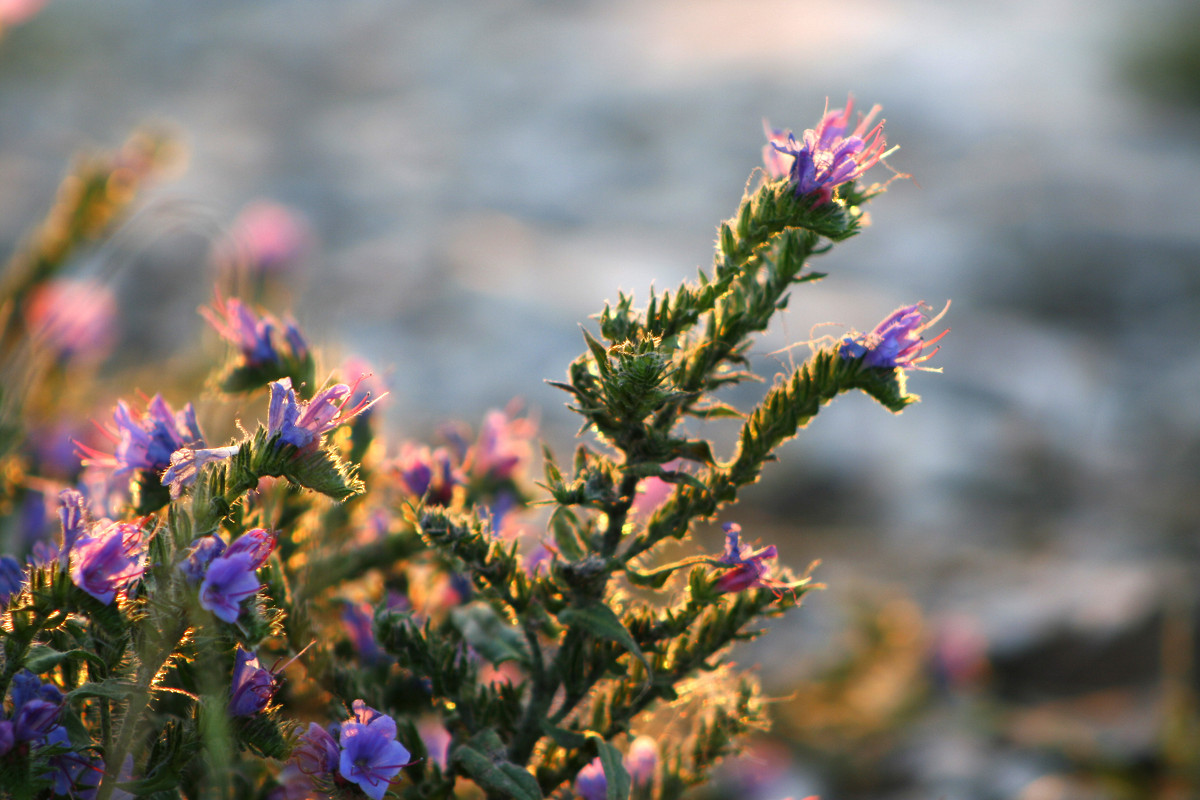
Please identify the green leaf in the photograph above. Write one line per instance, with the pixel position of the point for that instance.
(601, 621)
(489, 634)
(615, 775)
(568, 740)
(481, 759)
(42, 659)
(112, 689)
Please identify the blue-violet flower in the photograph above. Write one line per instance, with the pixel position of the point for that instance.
(749, 568)
(303, 423)
(826, 156)
(108, 559)
(371, 757)
(251, 687)
(897, 341)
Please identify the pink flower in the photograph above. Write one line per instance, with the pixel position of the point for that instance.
(74, 318)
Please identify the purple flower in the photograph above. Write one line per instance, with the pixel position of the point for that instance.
(590, 783)
(73, 318)
(371, 757)
(71, 506)
(359, 620)
(425, 473)
(502, 447)
(266, 238)
(147, 442)
(252, 685)
(108, 559)
(186, 464)
(35, 707)
(74, 774)
(12, 578)
(896, 342)
(302, 424)
(825, 157)
(199, 556)
(229, 580)
(7, 737)
(309, 772)
(250, 333)
(748, 565)
(641, 761)
(257, 542)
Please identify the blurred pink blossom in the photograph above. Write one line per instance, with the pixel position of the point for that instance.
(74, 318)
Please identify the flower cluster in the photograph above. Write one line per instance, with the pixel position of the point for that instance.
(486, 619)
(362, 751)
(228, 575)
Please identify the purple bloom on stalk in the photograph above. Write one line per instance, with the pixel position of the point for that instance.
(12, 578)
(825, 157)
(35, 707)
(590, 783)
(748, 565)
(108, 559)
(200, 555)
(147, 442)
(250, 333)
(359, 621)
(251, 687)
(186, 464)
(502, 447)
(641, 762)
(257, 542)
(896, 342)
(427, 473)
(371, 757)
(302, 423)
(229, 580)
(309, 772)
(73, 318)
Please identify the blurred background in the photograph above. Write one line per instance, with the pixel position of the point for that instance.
(1011, 565)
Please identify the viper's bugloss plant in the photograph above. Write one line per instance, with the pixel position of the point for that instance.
(461, 630)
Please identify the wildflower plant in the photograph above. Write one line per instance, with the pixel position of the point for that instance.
(453, 622)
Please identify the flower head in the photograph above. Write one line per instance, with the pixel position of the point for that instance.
(590, 783)
(251, 687)
(108, 559)
(897, 341)
(641, 761)
(186, 464)
(200, 554)
(266, 238)
(825, 157)
(303, 423)
(426, 473)
(12, 578)
(749, 568)
(228, 581)
(253, 334)
(503, 446)
(370, 755)
(73, 318)
(146, 441)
